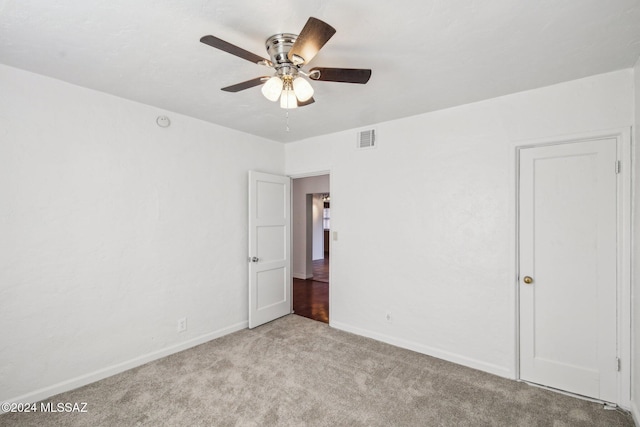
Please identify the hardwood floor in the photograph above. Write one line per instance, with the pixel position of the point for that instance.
(311, 297)
(321, 269)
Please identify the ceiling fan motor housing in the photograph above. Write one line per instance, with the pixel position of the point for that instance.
(278, 47)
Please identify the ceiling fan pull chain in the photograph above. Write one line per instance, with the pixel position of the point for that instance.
(287, 115)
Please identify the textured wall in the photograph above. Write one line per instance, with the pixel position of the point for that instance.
(438, 256)
(318, 230)
(112, 229)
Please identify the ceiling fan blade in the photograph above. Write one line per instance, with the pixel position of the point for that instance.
(307, 102)
(246, 85)
(344, 75)
(313, 36)
(234, 50)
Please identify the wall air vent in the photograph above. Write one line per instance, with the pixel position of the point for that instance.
(367, 139)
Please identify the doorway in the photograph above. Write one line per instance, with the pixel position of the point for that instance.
(572, 198)
(311, 247)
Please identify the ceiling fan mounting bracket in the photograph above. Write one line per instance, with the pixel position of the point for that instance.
(314, 74)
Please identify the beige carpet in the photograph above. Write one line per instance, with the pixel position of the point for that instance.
(295, 371)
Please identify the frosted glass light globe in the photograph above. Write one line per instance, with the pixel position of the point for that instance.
(302, 89)
(272, 88)
(288, 99)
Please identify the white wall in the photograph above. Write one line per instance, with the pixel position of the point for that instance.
(112, 229)
(302, 242)
(635, 369)
(438, 255)
(318, 229)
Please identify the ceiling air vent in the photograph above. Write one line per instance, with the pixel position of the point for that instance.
(367, 139)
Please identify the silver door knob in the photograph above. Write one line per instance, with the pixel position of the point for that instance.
(255, 259)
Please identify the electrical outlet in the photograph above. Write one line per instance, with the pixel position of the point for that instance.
(182, 324)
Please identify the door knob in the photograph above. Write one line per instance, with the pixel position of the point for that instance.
(527, 280)
(255, 259)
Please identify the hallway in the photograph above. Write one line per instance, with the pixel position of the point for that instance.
(311, 296)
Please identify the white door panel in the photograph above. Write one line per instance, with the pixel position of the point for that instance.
(269, 247)
(271, 243)
(567, 234)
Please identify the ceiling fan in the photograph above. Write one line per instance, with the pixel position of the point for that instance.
(289, 53)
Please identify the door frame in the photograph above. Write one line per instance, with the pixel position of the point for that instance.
(624, 261)
(307, 175)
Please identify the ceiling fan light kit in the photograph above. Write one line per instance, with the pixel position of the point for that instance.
(288, 98)
(289, 53)
(272, 88)
(302, 89)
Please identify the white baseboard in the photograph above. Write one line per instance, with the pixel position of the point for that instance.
(100, 374)
(635, 413)
(302, 276)
(429, 351)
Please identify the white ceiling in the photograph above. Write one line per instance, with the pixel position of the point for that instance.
(425, 54)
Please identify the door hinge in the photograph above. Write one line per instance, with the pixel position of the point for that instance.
(618, 364)
(618, 166)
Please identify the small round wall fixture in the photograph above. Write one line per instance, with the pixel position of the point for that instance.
(163, 121)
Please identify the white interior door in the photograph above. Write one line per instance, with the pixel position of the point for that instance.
(269, 247)
(567, 253)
